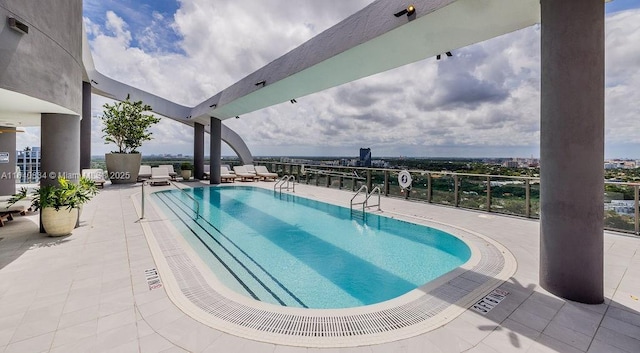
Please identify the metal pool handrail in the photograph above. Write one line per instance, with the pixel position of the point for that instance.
(366, 192)
(366, 201)
(285, 179)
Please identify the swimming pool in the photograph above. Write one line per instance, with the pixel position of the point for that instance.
(292, 251)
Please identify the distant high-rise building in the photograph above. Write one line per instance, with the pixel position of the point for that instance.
(365, 157)
(28, 161)
(511, 164)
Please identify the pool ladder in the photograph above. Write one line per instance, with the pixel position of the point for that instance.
(284, 183)
(365, 204)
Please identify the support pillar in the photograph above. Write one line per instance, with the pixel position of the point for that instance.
(85, 127)
(8, 168)
(572, 149)
(198, 151)
(59, 139)
(215, 151)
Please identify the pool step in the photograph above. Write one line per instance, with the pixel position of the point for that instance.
(253, 278)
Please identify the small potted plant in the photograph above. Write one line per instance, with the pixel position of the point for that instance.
(185, 170)
(126, 125)
(60, 204)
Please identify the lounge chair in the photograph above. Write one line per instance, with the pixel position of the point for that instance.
(7, 211)
(95, 175)
(144, 173)
(228, 168)
(264, 173)
(170, 170)
(226, 175)
(250, 168)
(243, 174)
(159, 175)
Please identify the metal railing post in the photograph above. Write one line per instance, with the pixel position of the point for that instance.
(637, 211)
(488, 194)
(369, 179)
(386, 183)
(429, 191)
(456, 198)
(527, 185)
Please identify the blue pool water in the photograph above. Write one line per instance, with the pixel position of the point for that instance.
(292, 251)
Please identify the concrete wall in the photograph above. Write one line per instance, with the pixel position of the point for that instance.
(46, 63)
(7, 170)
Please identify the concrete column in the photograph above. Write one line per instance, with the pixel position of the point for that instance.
(60, 141)
(215, 150)
(198, 151)
(572, 149)
(85, 127)
(8, 170)
(60, 138)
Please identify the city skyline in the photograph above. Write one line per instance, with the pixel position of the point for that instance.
(482, 102)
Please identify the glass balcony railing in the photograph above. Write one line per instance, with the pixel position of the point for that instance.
(517, 196)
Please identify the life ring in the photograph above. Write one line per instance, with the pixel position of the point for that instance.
(404, 179)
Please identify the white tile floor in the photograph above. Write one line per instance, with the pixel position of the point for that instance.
(88, 293)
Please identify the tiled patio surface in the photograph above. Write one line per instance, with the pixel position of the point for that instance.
(88, 292)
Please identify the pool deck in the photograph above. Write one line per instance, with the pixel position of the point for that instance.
(88, 292)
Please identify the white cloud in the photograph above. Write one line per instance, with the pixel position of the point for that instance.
(485, 98)
(118, 27)
(30, 137)
(623, 78)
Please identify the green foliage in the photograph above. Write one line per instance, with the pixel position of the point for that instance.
(65, 194)
(623, 175)
(617, 221)
(87, 189)
(613, 191)
(186, 166)
(22, 194)
(126, 125)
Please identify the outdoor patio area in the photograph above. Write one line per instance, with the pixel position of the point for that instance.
(91, 291)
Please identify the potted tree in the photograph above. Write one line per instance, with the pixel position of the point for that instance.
(60, 204)
(126, 125)
(185, 170)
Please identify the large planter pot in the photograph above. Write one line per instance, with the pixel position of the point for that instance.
(123, 168)
(59, 223)
(186, 174)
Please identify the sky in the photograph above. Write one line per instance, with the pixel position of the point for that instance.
(482, 102)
